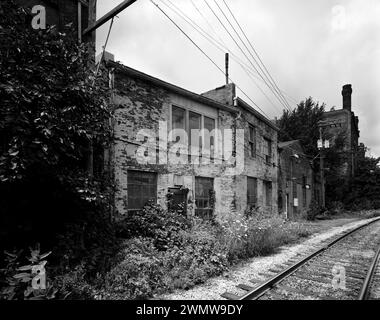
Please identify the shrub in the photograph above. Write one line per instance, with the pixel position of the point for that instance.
(314, 210)
(139, 274)
(20, 282)
(336, 208)
(154, 222)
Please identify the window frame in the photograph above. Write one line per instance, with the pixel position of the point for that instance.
(268, 185)
(252, 142)
(203, 212)
(129, 189)
(268, 147)
(249, 195)
(187, 126)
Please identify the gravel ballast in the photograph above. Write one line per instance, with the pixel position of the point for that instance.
(256, 268)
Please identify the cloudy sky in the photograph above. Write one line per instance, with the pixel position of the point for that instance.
(311, 48)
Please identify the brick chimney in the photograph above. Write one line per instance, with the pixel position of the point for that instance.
(224, 94)
(346, 93)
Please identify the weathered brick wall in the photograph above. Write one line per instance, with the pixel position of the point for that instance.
(63, 12)
(224, 94)
(140, 106)
(348, 131)
(253, 167)
(256, 166)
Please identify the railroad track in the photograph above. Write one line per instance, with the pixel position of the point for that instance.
(345, 268)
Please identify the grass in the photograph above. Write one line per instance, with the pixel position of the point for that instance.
(202, 251)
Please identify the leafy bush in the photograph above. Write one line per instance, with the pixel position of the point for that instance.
(154, 222)
(314, 210)
(25, 282)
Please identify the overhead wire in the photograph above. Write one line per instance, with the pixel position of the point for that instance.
(219, 46)
(205, 54)
(249, 51)
(248, 59)
(252, 47)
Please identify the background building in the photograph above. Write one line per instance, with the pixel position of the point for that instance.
(142, 101)
(341, 127)
(298, 185)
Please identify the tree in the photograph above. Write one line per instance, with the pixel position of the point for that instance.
(302, 124)
(50, 112)
(365, 187)
(49, 108)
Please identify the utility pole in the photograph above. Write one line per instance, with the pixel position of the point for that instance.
(125, 4)
(227, 65)
(322, 173)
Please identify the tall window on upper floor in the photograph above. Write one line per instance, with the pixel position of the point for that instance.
(209, 124)
(268, 150)
(178, 118)
(195, 123)
(191, 123)
(252, 141)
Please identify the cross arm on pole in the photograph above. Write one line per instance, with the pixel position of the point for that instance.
(125, 4)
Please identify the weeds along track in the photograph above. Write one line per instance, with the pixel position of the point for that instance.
(345, 268)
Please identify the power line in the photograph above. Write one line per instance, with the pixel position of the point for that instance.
(249, 60)
(250, 43)
(218, 45)
(207, 22)
(204, 53)
(242, 41)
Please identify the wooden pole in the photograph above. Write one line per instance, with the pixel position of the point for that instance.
(79, 21)
(322, 171)
(125, 4)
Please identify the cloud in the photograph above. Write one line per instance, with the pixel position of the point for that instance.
(311, 48)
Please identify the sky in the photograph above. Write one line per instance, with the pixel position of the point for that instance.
(311, 49)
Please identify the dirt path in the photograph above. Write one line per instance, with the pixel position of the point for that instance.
(253, 268)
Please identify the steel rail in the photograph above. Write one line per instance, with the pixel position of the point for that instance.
(364, 293)
(268, 285)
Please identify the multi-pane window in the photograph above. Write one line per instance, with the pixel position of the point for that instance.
(251, 192)
(178, 123)
(268, 150)
(190, 122)
(252, 141)
(195, 123)
(268, 193)
(204, 189)
(209, 124)
(142, 187)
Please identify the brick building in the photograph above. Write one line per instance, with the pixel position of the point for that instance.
(298, 185)
(63, 12)
(341, 127)
(146, 166)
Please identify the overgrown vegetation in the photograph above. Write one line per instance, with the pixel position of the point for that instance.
(51, 113)
(166, 251)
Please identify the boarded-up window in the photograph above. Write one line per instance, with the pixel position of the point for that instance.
(251, 192)
(204, 189)
(252, 141)
(142, 187)
(268, 193)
